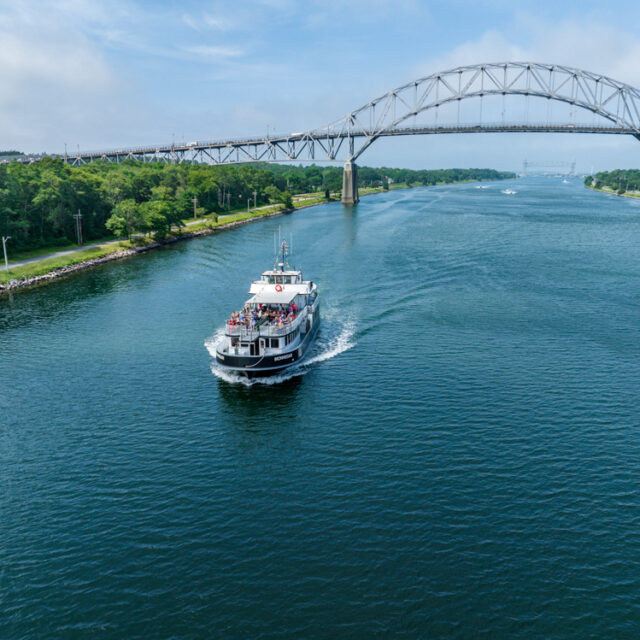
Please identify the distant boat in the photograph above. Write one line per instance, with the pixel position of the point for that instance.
(565, 181)
(481, 186)
(509, 192)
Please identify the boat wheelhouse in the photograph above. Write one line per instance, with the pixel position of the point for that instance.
(277, 324)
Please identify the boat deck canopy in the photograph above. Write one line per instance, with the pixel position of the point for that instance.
(271, 296)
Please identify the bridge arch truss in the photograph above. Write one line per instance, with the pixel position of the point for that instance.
(614, 101)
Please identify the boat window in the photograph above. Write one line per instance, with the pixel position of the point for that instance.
(287, 279)
(279, 279)
(272, 280)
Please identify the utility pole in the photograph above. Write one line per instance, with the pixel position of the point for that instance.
(78, 217)
(255, 196)
(195, 204)
(4, 248)
(248, 204)
(228, 201)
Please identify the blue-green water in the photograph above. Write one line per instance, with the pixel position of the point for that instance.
(460, 458)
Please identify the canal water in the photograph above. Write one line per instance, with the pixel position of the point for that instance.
(458, 458)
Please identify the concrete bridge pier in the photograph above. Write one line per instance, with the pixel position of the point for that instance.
(350, 183)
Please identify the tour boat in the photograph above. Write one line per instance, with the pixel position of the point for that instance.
(277, 325)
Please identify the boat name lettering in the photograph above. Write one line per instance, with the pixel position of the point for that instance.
(284, 357)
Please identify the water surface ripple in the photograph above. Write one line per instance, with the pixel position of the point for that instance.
(458, 458)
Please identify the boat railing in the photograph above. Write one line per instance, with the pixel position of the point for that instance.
(251, 333)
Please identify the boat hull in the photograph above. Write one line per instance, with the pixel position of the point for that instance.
(263, 366)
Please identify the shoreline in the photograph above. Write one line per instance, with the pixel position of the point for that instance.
(611, 192)
(22, 284)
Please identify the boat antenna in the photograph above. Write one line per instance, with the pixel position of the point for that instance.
(291, 247)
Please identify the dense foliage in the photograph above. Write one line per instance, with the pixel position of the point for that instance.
(306, 179)
(620, 180)
(38, 201)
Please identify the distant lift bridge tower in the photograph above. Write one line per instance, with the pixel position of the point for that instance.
(548, 167)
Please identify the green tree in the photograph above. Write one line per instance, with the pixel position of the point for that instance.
(126, 219)
(159, 217)
(273, 193)
(287, 200)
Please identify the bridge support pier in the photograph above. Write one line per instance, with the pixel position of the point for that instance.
(350, 183)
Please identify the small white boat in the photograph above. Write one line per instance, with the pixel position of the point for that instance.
(509, 192)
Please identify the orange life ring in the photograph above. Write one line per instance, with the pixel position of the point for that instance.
(278, 287)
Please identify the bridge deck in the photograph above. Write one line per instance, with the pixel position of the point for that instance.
(302, 146)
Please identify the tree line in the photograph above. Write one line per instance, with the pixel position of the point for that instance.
(619, 180)
(38, 201)
(313, 178)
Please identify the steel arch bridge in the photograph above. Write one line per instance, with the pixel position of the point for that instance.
(347, 138)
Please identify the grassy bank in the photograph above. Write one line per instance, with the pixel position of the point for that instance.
(612, 192)
(42, 267)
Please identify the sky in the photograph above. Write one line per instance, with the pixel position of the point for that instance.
(100, 74)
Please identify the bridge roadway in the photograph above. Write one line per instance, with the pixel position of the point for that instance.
(304, 146)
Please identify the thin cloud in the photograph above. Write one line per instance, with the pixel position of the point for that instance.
(585, 44)
(214, 53)
(207, 22)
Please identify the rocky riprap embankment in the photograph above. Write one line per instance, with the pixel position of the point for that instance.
(22, 283)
